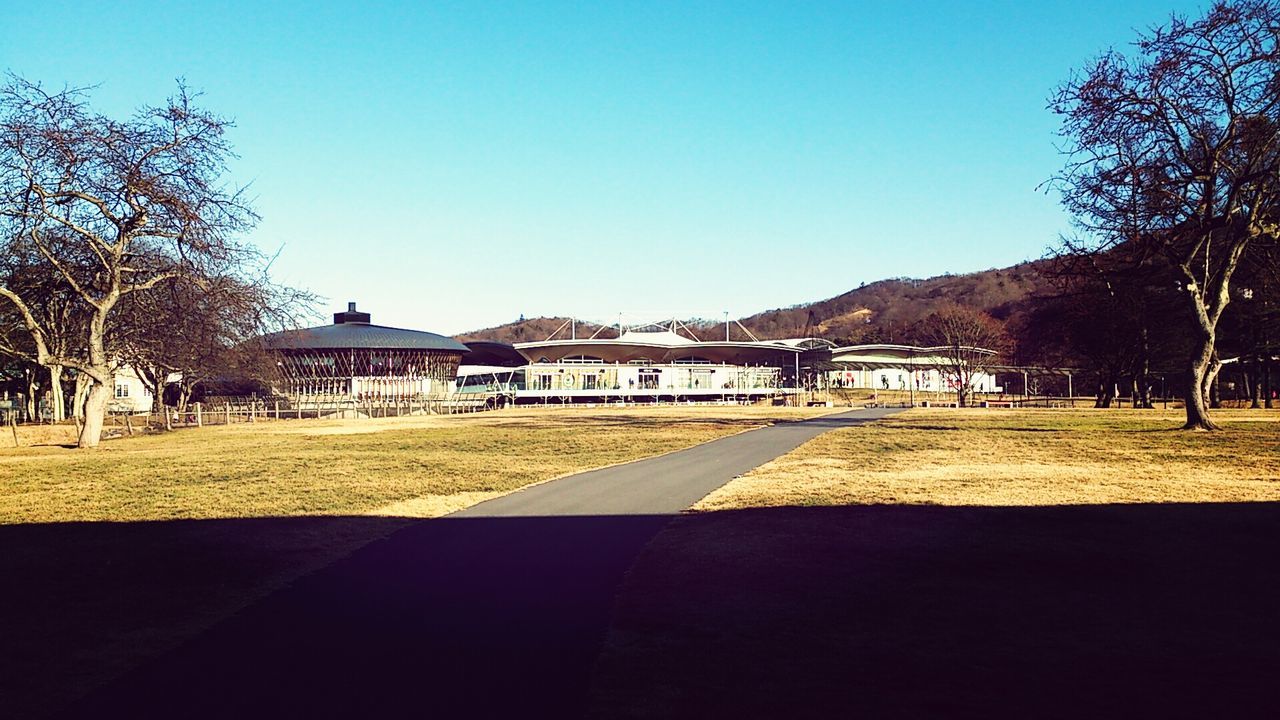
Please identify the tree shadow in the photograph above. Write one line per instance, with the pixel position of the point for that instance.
(925, 611)
(907, 611)
(86, 602)
(454, 616)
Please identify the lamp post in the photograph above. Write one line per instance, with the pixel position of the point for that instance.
(911, 378)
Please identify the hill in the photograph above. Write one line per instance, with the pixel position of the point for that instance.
(883, 311)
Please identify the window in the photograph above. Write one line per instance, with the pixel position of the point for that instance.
(588, 381)
(122, 390)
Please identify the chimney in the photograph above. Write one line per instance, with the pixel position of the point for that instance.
(350, 316)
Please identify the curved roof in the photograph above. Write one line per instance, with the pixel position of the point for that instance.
(664, 337)
(487, 352)
(879, 352)
(361, 336)
(657, 348)
(809, 343)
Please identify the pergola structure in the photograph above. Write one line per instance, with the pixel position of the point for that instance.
(650, 362)
(356, 360)
(902, 367)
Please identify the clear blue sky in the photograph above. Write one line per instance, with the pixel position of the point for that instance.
(454, 165)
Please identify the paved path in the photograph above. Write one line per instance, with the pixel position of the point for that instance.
(498, 610)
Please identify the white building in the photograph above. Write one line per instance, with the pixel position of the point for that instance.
(130, 394)
(641, 364)
(903, 367)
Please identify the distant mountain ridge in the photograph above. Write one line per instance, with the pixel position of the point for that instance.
(882, 311)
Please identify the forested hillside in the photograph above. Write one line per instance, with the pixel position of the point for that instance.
(884, 311)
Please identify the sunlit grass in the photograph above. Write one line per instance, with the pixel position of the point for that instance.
(347, 467)
(964, 563)
(119, 554)
(1021, 457)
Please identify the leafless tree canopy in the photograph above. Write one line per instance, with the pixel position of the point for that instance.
(972, 343)
(110, 214)
(1173, 151)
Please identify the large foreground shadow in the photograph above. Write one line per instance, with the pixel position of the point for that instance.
(453, 617)
(900, 611)
(1103, 611)
(82, 603)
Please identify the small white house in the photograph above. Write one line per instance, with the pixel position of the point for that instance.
(129, 393)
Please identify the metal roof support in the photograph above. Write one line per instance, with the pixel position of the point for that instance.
(557, 331)
(745, 330)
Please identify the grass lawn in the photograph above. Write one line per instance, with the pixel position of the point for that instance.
(944, 563)
(114, 555)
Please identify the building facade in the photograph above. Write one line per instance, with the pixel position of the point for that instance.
(357, 361)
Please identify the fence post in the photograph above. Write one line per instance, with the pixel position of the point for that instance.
(277, 409)
(227, 409)
(253, 411)
(199, 421)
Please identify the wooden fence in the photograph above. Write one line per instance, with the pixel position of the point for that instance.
(227, 410)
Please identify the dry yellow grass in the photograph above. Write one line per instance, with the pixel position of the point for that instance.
(344, 467)
(971, 563)
(120, 553)
(1021, 457)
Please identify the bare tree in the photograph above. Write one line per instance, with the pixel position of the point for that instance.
(970, 342)
(1175, 152)
(200, 330)
(53, 301)
(1113, 315)
(115, 208)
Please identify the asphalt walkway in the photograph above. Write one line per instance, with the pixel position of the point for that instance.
(498, 610)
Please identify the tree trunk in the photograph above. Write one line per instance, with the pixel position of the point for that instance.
(154, 379)
(95, 413)
(1104, 394)
(1194, 396)
(1255, 387)
(78, 398)
(32, 406)
(1211, 382)
(101, 370)
(1266, 381)
(1143, 381)
(57, 401)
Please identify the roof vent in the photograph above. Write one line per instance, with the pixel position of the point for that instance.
(350, 316)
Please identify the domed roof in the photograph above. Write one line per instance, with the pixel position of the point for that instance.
(352, 330)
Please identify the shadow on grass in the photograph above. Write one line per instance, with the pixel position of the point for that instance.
(85, 602)
(919, 611)
(1133, 610)
(449, 617)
